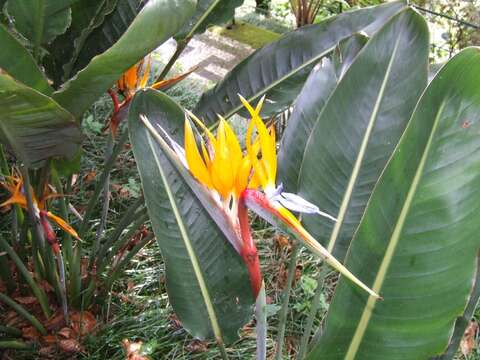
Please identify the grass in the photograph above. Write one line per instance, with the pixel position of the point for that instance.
(247, 33)
(267, 23)
(280, 20)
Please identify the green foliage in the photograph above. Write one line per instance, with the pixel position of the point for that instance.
(207, 13)
(24, 68)
(40, 22)
(207, 281)
(402, 186)
(34, 126)
(151, 27)
(342, 181)
(402, 239)
(284, 65)
(317, 90)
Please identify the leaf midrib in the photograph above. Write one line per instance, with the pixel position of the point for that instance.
(361, 153)
(202, 18)
(281, 79)
(188, 245)
(392, 244)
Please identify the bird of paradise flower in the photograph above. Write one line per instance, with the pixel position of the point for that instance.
(233, 179)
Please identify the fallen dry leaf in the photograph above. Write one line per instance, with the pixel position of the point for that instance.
(45, 286)
(49, 339)
(290, 345)
(468, 341)
(10, 316)
(282, 277)
(30, 333)
(90, 176)
(175, 323)
(121, 191)
(56, 322)
(83, 323)
(197, 346)
(133, 350)
(47, 352)
(70, 345)
(281, 241)
(130, 285)
(66, 333)
(26, 300)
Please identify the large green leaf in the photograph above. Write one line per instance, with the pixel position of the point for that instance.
(463, 320)
(18, 62)
(280, 69)
(87, 17)
(308, 106)
(418, 240)
(152, 26)
(105, 29)
(356, 131)
(202, 268)
(208, 12)
(34, 126)
(40, 21)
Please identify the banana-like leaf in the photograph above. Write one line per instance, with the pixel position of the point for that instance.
(152, 26)
(40, 21)
(18, 62)
(207, 281)
(280, 69)
(104, 31)
(34, 126)
(417, 243)
(307, 109)
(463, 320)
(356, 131)
(208, 12)
(87, 17)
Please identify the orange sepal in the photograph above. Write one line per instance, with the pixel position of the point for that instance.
(169, 82)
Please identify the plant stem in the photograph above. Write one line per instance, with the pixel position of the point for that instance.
(39, 294)
(8, 330)
(3, 162)
(14, 344)
(67, 245)
(115, 273)
(140, 218)
(20, 310)
(178, 51)
(5, 274)
(106, 201)
(63, 286)
(143, 217)
(261, 327)
(32, 210)
(101, 182)
(105, 260)
(128, 217)
(313, 313)
(75, 285)
(223, 351)
(292, 265)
